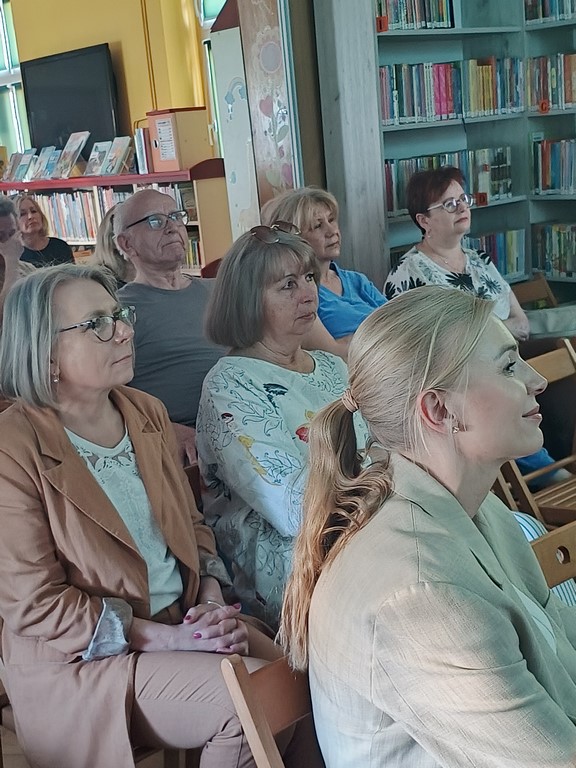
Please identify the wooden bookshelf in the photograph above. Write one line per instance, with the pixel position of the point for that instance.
(484, 34)
(75, 206)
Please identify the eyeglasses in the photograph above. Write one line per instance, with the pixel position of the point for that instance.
(451, 205)
(270, 234)
(159, 220)
(104, 326)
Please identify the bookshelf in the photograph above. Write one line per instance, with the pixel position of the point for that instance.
(493, 91)
(75, 206)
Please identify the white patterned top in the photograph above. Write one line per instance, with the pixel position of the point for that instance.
(116, 472)
(480, 277)
(252, 441)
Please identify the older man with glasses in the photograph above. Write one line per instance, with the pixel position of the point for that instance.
(172, 353)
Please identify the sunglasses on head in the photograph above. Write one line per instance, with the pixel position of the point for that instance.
(270, 234)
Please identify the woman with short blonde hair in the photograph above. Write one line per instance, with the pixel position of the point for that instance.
(416, 603)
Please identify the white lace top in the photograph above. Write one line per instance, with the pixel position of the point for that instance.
(116, 472)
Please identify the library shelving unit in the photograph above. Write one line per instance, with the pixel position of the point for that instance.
(494, 91)
(75, 206)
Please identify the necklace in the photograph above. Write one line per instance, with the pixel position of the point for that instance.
(444, 259)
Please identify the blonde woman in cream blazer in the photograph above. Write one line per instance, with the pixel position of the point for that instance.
(420, 610)
(90, 671)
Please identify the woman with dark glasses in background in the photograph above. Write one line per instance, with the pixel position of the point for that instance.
(256, 404)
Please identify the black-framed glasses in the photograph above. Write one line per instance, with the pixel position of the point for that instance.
(270, 234)
(451, 204)
(159, 220)
(104, 326)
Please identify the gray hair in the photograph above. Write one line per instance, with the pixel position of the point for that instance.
(7, 207)
(106, 253)
(30, 331)
(298, 206)
(235, 315)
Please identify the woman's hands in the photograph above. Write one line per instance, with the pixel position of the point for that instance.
(211, 628)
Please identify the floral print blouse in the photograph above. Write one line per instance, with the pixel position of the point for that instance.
(252, 441)
(480, 277)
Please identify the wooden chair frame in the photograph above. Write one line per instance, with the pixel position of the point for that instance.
(556, 553)
(267, 701)
(554, 505)
(536, 289)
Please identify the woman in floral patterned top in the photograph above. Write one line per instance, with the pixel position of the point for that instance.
(256, 405)
(440, 208)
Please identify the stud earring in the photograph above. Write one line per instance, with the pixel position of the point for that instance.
(455, 429)
(55, 379)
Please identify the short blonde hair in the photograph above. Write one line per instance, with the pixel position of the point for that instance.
(23, 198)
(29, 313)
(235, 315)
(299, 207)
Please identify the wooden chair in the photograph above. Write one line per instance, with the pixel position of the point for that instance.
(556, 504)
(556, 553)
(267, 701)
(535, 291)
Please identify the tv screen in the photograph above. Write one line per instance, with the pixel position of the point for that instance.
(71, 91)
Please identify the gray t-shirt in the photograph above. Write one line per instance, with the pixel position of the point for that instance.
(172, 353)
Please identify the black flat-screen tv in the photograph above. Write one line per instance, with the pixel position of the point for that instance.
(68, 92)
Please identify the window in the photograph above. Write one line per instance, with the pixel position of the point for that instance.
(14, 134)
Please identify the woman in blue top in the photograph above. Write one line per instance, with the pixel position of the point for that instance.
(345, 297)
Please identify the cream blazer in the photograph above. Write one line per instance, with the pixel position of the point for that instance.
(422, 652)
(63, 547)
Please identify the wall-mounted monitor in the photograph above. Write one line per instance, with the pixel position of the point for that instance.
(68, 92)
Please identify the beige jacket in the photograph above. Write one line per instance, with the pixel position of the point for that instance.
(63, 547)
(422, 652)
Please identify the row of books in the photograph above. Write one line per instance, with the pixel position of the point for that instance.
(193, 257)
(74, 216)
(536, 10)
(488, 173)
(106, 158)
(554, 164)
(416, 14)
(551, 82)
(506, 249)
(554, 248)
(427, 92)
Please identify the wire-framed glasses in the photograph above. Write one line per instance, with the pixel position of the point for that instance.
(270, 234)
(451, 204)
(104, 326)
(159, 220)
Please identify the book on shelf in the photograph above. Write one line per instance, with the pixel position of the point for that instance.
(52, 163)
(42, 163)
(70, 154)
(554, 247)
(23, 169)
(143, 150)
(13, 163)
(507, 250)
(117, 160)
(98, 155)
(187, 200)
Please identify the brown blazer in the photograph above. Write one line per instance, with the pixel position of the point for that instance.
(63, 547)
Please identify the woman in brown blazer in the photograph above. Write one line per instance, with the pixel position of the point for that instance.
(110, 586)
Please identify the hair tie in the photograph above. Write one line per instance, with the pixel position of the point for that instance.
(348, 401)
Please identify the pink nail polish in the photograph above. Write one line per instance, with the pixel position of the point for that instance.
(237, 605)
(197, 635)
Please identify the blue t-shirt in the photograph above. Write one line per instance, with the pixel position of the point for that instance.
(343, 314)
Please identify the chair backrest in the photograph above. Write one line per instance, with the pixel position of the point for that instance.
(556, 553)
(267, 701)
(535, 290)
(558, 364)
